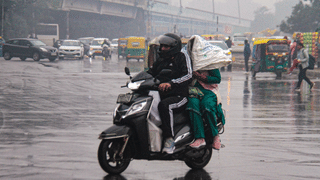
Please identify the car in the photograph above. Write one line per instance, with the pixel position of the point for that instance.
(238, 43)
(2, 41)
(225, 49)
(71, 49)
(86, 41)
(114, 45)
(96, 48)
(28, 48)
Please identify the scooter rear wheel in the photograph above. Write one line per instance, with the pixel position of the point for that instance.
(109, 158)
(200, 162)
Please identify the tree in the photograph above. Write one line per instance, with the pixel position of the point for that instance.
(21, 16)
(263, 19)
(303, 18)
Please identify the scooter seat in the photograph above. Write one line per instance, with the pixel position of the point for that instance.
(181, 118)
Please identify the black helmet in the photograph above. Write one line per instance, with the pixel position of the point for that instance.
(172, 40)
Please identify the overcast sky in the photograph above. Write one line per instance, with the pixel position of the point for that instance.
(229, 7)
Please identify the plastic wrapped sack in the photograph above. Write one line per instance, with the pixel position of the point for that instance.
(205, 56)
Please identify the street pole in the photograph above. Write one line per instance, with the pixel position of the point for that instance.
(213, 12)
(2, 19)
(217, 23)
(239, 12)
(67, 36)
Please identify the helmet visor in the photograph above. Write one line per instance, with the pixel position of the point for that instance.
(166, 40)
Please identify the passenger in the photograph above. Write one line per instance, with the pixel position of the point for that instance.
(173, 88)
(204, 103)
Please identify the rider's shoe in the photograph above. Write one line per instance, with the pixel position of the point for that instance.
(169, 146)
(198, 143)
(216, 143)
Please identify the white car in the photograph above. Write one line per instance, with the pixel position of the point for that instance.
(96, 48)
(225, 49)
(71, 49)
(238, 43)
(114, 45)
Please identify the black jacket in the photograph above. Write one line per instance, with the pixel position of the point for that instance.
(180, 77)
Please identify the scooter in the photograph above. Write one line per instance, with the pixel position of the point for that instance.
(129, 138)
(106, 51)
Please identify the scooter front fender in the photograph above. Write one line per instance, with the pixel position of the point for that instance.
(116, 131)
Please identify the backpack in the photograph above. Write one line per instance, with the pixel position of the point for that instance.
(312, 61)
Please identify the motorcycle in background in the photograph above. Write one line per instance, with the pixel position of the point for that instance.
(106, 51)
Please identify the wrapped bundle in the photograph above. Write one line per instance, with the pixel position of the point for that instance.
(205, 56)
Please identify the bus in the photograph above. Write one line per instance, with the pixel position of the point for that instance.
(47, 33)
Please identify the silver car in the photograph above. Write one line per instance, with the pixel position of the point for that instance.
(71, 49)
(114, 45)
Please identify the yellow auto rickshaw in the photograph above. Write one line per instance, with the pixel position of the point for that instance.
(122, 46)
(184, 41)
(220, 37)
(270, 55)
(136, 48)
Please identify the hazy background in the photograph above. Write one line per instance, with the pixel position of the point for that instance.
(230, 7)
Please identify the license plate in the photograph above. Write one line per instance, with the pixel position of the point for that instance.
(240, 44)
(97, 51)
(53, 54)
(279, 67)
(124, 98)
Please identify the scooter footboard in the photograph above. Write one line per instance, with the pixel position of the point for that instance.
(116, 131)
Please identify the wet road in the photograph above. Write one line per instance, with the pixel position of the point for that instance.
(52, 112)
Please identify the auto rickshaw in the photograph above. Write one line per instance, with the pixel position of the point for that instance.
(214, 37)
(270, 55)
(184, 41)
(136, 48)
(122, 46)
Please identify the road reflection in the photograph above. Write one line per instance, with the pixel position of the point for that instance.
(114, 177)
(195, 174)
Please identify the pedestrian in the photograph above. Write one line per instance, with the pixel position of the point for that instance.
(247, 53)
(303, 58)
(174, 87)
(229, 42)
(204, 102)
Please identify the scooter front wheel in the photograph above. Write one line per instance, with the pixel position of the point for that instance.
(109, 157)
(202, 161)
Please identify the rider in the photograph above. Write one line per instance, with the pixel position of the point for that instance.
(105, 42)
(102, 45)
(173, 88)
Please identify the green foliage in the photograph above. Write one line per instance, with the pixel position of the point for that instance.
(303, 18)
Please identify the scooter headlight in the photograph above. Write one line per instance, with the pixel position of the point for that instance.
(272, 59)
(135, 85)
(135, 108)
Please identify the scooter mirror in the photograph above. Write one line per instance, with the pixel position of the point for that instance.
(127, 70)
